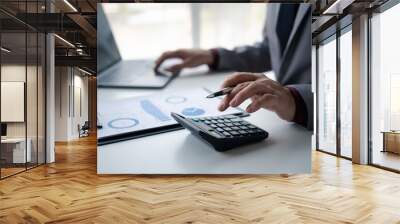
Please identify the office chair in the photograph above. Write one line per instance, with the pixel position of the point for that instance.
(84, 130)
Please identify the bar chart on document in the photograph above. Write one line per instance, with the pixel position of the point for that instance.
(145, 112)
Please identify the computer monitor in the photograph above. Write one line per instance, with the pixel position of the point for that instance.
(3, 129)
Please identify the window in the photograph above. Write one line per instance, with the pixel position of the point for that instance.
(385, 89)
(334, 93)
(221, 29)
(346, 93)
(327, 96)
(171, 26)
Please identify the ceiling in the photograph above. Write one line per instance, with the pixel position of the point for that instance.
(72, 20)
(75, 21)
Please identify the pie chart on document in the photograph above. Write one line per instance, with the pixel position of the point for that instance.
(122, 123)
(193, 111)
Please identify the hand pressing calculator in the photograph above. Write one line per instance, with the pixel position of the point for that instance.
(222, 132)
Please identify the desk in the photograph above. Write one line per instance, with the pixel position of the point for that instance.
(19, 155)
(287, 150)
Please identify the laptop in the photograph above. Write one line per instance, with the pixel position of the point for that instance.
(115, 72)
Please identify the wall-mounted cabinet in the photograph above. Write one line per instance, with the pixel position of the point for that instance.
(12, 98)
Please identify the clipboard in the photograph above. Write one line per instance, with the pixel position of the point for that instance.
(158, 129)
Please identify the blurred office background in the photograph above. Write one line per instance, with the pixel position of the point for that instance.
(146, 30)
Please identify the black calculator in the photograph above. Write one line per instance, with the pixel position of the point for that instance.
(222, 132)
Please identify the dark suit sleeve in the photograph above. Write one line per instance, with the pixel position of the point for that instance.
(304, 90)
(255, 58)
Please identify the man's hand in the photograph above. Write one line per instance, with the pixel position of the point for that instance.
(191, 58)
(263, 92)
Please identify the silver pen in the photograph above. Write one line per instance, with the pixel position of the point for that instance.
(222, 92)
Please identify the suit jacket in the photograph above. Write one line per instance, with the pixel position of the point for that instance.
(292, 67)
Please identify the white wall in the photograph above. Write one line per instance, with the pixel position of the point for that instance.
(79, 117)
(62, 81)
(70, 83)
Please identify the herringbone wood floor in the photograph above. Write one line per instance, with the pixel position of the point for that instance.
(69, 191)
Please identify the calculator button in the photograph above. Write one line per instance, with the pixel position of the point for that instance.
(242, 132)
(220, 129)
(244, 127)
(215, 134)
(203, 126)
(235, 128)
(227, 134)
(235, 133)
(220, 125)
(228, 129)
(213, 125)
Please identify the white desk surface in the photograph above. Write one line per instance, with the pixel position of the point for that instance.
(287, 149)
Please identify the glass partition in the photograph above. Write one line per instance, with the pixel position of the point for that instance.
(13, 108)
(23, 91)
(32, 98)
(385, 89)
(327, 96)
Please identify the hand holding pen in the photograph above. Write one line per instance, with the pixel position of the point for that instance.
(263, 92)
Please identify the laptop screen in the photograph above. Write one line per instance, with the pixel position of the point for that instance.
(107, 50)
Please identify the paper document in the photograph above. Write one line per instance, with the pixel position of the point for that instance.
(145, 112)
